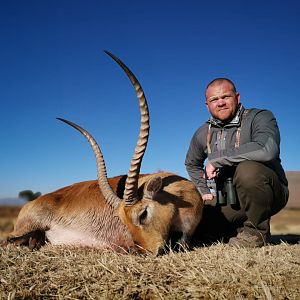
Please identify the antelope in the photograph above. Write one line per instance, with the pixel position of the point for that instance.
(135, 213)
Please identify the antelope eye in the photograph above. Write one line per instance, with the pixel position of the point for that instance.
(143, 216)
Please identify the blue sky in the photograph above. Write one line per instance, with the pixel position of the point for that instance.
(52, 65)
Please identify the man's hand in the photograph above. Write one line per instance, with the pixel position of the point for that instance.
(210, 170)
(207, 197)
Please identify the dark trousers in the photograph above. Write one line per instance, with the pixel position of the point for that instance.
(260, 195)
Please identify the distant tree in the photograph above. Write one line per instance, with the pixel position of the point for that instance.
(29, 195)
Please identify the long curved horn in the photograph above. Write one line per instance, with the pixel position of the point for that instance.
(109, 195)
(131, 185)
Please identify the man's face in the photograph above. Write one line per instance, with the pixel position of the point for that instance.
(221, 101)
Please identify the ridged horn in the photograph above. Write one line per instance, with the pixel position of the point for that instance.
(109, 195)
(131, 186)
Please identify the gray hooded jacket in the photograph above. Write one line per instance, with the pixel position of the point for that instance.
(252, 134)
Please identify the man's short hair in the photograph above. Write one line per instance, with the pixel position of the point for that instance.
(219, 81)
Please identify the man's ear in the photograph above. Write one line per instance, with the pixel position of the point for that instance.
(206, 104)
(238, 97)
(152, 187)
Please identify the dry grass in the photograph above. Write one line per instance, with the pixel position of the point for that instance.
(215, 272)
(8, 215)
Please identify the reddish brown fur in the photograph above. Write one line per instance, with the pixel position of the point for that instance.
(79, 215)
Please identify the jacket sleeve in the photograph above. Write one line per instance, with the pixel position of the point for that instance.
(195, 158)
(263, 147)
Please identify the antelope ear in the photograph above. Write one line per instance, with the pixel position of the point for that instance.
(153, 186)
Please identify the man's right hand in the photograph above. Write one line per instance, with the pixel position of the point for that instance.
(210, 171)
(207, 197)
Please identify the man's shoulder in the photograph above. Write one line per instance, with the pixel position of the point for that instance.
(253, 112)
(259, 117)
(201, 132)
(202, 128)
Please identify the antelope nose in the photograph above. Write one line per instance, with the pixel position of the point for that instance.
(161, 251)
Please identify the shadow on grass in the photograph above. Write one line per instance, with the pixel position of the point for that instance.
(214, 228)
(291, 239)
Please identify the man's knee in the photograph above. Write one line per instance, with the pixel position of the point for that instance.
(251, 174)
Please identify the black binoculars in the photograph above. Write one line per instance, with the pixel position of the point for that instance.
(224, 189)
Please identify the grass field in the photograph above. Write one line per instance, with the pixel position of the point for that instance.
(215, 272)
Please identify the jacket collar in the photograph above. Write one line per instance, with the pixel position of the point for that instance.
(234, 122)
